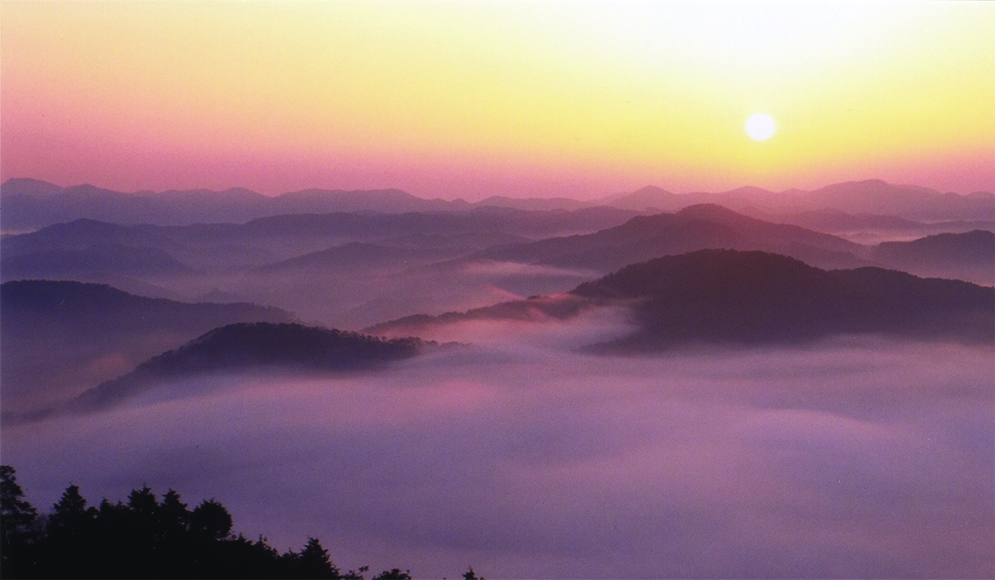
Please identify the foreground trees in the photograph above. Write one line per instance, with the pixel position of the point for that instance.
(144, 538)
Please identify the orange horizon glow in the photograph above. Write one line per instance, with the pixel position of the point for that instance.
(496, 98)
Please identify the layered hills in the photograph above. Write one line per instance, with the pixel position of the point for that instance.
(60, 337)
(30, 204)
(693, 228)
(872, 196)
(728, 297)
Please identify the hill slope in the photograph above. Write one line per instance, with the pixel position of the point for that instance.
(729, 297)
(693, 228)
(723, 296)
(62, 337)
(967, 256)
(253, 346)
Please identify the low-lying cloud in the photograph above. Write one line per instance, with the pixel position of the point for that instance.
(524, 459)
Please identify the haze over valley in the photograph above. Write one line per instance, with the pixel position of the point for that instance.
(559, 392)
(497, 289)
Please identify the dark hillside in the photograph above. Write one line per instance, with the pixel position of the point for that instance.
(261, 345)
(724, 296)
(60, 338)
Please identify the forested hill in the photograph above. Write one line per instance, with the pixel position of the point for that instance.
(725, 296)
(261, 345)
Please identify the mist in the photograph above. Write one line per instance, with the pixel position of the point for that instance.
(522, 458)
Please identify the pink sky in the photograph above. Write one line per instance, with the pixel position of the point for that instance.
(477, 99)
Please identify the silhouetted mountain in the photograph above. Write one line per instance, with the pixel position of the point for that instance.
(532, 203)
(82, 234)
(968, 256)
(728, 297)
(356, 257)
(267, 240)
(61, 337)
(693, 228)
(871, 196)
(835, 221)
(472, 241)
(878, 197)
(111, 259)
(99, 309)
(32, 204)
(724, 296)
(534, 309)
(251, 346)
(386, 201)
(650, 198)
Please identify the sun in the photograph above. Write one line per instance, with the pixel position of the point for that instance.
(760, 127)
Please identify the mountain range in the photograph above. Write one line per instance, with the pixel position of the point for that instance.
(872, 196)
(692, 228)
(60, 336)
(30, 204)
(729, 297)
(352, 270)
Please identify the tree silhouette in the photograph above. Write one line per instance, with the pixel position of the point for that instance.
(393, 574)
(211, 519)
(144, 538)
(17, 523)
(313, 561)
(173, 515)
(70, 514)
(18, 515)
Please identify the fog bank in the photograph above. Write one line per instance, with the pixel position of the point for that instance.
(856, 459)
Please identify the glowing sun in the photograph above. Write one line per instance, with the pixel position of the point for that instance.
(760, 127)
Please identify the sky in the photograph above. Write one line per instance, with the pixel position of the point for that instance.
(470, 99)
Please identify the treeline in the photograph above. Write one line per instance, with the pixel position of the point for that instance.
(146, 538)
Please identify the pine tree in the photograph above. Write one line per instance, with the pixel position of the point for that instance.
(18, 519)
(211, 519)
(314, 562)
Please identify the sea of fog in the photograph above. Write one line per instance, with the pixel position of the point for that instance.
(852, 458)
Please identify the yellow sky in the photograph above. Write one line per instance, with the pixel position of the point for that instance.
(519, 98)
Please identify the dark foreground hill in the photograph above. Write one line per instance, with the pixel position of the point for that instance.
(729, 297)
(257, 346)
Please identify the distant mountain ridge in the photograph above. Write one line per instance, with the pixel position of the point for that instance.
(872, 196)
(59, 337)
(967, 256)
(31, 204)
(94, 260)
(692, 228)
(93, 307)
